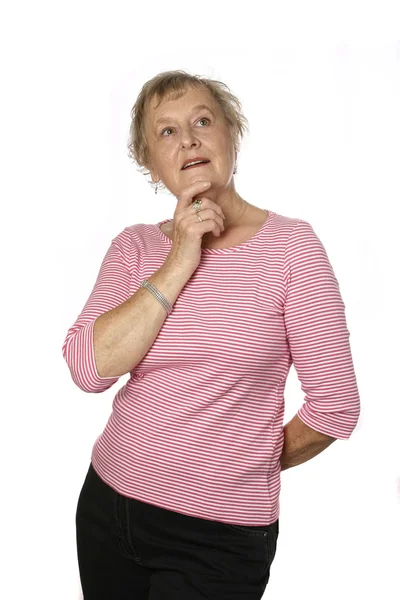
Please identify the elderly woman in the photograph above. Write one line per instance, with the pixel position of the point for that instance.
(206, 311)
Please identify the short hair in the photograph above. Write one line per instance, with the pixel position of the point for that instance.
(174, 84)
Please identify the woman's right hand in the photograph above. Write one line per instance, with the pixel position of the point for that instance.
(188, 230)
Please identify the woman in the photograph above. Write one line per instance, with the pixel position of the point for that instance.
(206, 311)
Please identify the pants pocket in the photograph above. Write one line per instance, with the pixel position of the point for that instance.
(124, 528)
(263, 531)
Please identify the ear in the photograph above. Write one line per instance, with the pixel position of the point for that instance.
(147, 163)
(154, 175)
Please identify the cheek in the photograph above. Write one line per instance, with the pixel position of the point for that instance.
(165, 157)
(226, 146)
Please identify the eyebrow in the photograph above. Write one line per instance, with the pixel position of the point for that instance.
(194, 109)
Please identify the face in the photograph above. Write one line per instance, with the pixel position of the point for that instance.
(178, 130)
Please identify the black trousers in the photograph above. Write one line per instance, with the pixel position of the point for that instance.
(133, 550)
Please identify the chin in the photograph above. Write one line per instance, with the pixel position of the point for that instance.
(191, 179)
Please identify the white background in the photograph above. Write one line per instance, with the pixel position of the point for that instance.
(320, 85)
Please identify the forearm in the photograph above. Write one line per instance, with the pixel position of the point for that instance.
(123, 336)
(301, 443)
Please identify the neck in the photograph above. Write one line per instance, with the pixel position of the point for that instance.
(233, 206)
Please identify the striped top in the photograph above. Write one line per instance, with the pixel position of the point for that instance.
(198, 427)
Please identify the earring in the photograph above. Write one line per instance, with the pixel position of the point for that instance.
(156, 187)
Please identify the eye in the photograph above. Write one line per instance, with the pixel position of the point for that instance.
(167, 129)
(170, 128)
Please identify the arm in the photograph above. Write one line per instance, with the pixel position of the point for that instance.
(116, 328)
(124, 335)
(318, 339)
(301, 443)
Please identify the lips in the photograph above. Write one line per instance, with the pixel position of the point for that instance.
(194, 158)
(194, 166)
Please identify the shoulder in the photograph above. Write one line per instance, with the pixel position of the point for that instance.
(288, 229)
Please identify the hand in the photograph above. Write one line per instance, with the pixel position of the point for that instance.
(188, 231)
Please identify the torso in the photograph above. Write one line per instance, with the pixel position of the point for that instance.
(234, 237)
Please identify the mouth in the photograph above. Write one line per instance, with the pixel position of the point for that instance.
(202, 164)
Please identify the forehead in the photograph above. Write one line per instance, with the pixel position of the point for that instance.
(172, 106)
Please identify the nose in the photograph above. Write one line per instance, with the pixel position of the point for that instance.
(188, 139)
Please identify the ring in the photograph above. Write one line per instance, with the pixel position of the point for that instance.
(197, 207)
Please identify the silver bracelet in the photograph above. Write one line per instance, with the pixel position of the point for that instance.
(156, 292)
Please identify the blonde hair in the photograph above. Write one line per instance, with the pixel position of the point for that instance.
(173, 84)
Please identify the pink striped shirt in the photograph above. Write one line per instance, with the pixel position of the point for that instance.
(198, 427)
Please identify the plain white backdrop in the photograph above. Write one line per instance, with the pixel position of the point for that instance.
(320, 85)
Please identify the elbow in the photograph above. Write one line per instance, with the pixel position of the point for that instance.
(91, 384)
(79, 356)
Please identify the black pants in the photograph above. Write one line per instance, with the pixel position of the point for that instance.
(133, 550)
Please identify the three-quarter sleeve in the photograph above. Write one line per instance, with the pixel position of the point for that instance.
(112, 287)
(318, 336)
